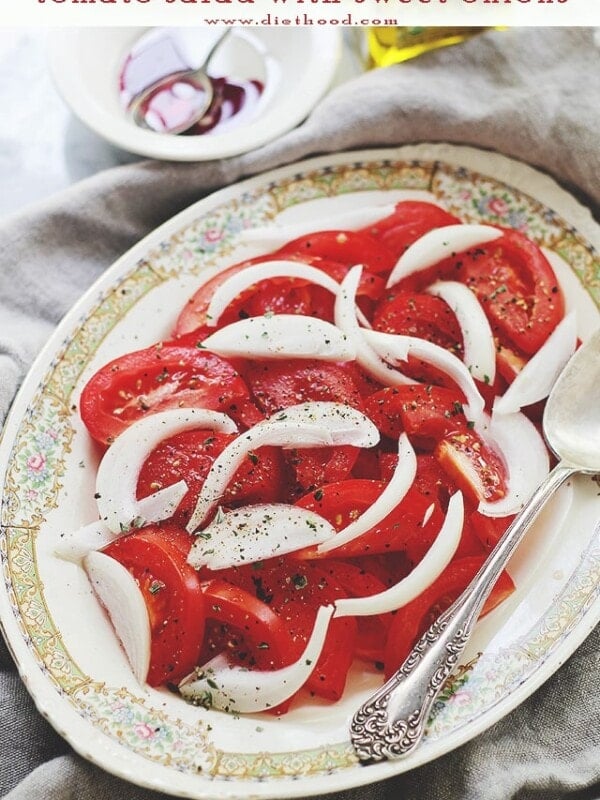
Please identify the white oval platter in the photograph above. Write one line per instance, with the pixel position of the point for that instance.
(61, 640)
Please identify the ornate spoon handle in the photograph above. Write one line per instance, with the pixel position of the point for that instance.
(391, 723)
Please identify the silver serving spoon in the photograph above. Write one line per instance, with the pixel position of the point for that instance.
(197, 77)
(391, 723)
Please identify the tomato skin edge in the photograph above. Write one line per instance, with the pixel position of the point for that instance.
(156, 556)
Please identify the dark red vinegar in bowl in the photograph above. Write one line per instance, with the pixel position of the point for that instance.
(169, 51)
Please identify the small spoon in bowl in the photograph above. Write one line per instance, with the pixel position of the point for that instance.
(202, 90)
(391, 723)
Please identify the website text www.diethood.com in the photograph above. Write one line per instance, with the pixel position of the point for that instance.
(302, 19)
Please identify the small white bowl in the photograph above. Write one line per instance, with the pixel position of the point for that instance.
(86, 63)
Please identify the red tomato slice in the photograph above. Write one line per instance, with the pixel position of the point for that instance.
(295, 590)
(193, 315)
(370, 285)
(474, 467)
(411, 621)
(274, 296)
(515, 284)
(341, 503)
(155, 379)
(432, 481)
(345, 247)
(359, 582)
(518, 290)
(280, 295)
(189, 456)
(315, 466)
(400, 238)
(426, 412)
(278, 384)
(248, 629)
(365, 384)
(156, 557)
(421, 315)
(489, 529)
(470, 543)
(368, 465)
(411, 214)
(299, 296)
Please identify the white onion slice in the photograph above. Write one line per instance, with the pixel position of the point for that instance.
(345, 424)
(539, 375)
(394, 347)
(163, 503)
(319, 424)
(120, 595)
(431, 566)
(253, 533)
(438, 244)
(346, 320)
(275, 236)
(391, 496)
(247, 277)
(74, 545)
(118, 472)
(281, 336)
(525, 456)
(478, 340)
(238, 689)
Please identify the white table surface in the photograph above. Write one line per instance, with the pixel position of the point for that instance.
(43, 147)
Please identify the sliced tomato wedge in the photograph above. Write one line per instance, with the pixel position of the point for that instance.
(299, 296)
(276, 295)
(399, 238)
(517, 288)
(295, 590)
(514, 283)
(432, 481)
(156, 557)
(193, 315)
(409, 220)
(345, 247)
(316, 466)
(278, 384)
(421, 315)
(411, 621)
(425, 412)
(489, 530)
(189, 456)
(155, 379)
(244, 627)
(473, 466)
(343, 502)
(358, 581)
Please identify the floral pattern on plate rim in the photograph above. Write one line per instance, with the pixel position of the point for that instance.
(37, 465)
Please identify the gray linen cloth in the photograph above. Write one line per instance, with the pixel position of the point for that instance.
(533, 94)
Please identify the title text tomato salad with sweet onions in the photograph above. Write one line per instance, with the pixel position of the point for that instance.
(319, 459)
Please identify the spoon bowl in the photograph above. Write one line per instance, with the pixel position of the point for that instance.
(572, 414)
(193, 90)
(391, 723)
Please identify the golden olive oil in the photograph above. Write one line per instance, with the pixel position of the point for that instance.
(390, 45)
